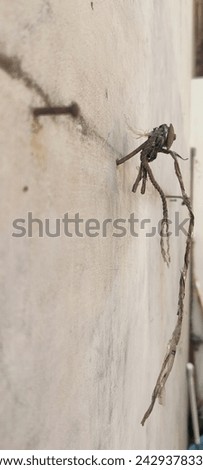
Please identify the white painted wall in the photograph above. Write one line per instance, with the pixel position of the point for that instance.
(85, 321)
(197, 143)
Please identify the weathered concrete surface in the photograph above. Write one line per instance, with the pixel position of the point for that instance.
(85, 321)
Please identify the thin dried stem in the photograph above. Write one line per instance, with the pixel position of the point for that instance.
(138, 179)
(130, 155)
(172, 345)
(164, 232)
(145, 170)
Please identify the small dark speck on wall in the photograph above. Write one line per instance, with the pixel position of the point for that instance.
(92, 5)
(25, 189)
(106, 94)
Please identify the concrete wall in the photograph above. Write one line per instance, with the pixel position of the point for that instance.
(85, 321)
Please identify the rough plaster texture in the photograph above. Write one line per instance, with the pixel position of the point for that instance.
(85, 321)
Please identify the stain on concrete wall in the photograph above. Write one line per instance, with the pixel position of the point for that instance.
(85, 319)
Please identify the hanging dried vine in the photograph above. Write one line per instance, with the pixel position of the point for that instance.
(160, 140)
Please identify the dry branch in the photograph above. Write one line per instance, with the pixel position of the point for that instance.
(160, 139)
(172, 345)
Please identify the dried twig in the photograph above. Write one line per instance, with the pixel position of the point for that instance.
(172, 345)
(164, 222)
(159, 137)
(160, 140)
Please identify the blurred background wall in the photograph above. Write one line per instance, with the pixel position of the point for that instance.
(198, 37)
(197, 270)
